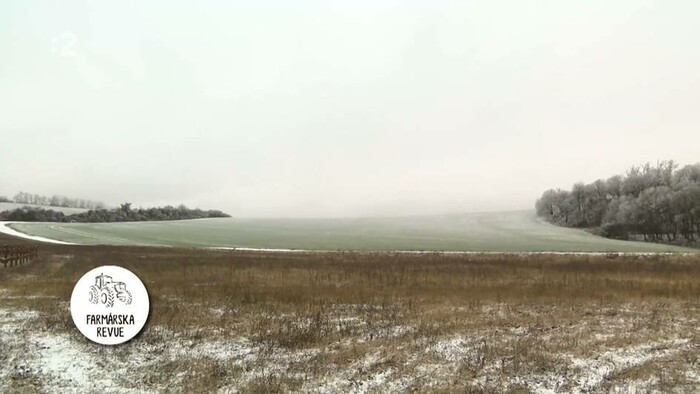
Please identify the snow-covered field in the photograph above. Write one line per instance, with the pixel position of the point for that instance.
(6, 229)
(241, 321)
(514, 231)
(393, 360)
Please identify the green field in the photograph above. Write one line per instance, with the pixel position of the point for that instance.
(515, 231)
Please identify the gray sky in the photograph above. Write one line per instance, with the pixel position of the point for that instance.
(325, 108)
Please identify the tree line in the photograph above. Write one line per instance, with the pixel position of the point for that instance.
(649, 201)
(122, 214)
(56, 201)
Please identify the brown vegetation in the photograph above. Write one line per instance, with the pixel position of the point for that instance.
(425, 322)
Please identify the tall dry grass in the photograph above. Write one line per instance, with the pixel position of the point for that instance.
(184, 281)
(351, 304)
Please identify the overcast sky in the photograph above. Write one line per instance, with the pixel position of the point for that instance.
(353, 108)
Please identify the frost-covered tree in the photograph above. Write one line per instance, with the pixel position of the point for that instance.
(653, 201)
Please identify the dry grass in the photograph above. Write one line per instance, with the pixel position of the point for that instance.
(338, 322)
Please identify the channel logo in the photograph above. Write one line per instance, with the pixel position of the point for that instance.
(109, 305)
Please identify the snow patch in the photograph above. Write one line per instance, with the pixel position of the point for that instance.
(595, 370)
(453, 349)
(6, 229)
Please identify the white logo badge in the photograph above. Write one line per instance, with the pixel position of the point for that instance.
(109, 305)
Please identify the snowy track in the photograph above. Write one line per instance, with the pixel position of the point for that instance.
(5, 229)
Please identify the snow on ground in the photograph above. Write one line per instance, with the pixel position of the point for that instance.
(60, 363)
(240, 349)
(363, 376)
(64, 362)
(454, 349)
(13, 320)
(595, 370)
(6, 229)
(452, 252)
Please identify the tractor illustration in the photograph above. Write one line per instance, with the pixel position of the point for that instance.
(105, 289)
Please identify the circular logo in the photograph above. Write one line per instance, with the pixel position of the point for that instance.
(109, 305)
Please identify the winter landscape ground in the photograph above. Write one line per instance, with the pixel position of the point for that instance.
(350, 159)
(514, 231)
(243, 321)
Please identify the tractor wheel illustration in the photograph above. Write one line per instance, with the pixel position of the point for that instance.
(107, 297)
(94, 294)
(125, 297)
